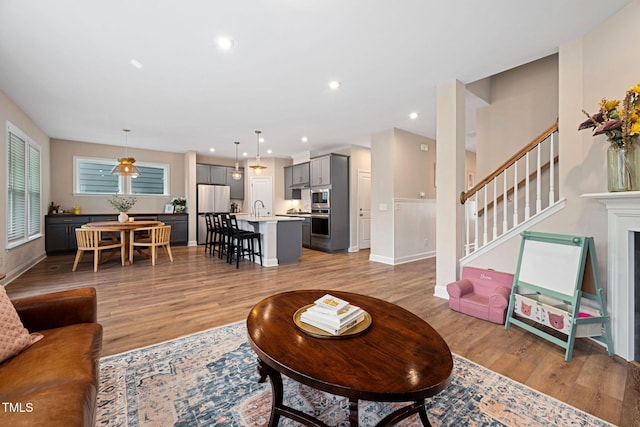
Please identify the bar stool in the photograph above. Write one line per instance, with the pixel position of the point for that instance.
(218, 240)
(208, 241)
(241, 243)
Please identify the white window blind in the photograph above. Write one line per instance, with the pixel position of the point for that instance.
(93, 176)
(23, 188)
(152, 181)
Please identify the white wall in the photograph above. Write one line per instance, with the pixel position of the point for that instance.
(402, 176)
(524, 102)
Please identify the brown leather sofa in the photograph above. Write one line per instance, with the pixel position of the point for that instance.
(55, 381)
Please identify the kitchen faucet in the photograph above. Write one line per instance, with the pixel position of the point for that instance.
(255, 210)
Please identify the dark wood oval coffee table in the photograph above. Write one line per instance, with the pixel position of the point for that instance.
(399, 358)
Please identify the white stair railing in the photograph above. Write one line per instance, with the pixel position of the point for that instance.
(511, 186)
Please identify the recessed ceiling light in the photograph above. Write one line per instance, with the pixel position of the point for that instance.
(334, 85)
(245, 154)
(413, 115)
(136, 64)
(269, 151)
(304, 139)
(212, 150)
(261, 139)
(225, 43)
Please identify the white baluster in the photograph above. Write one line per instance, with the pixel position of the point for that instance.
(552, 195)
(527, 210)
(495, 208)
(515, 194)
(505, 224)
(467, 215)
(485, 233)
(538, 182)
(475, 220)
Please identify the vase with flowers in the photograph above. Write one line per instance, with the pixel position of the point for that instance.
(122, 205)
(179, 205)
(621, 125)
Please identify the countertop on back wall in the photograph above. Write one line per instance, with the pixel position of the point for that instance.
(298, 215)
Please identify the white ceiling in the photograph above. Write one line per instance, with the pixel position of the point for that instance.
(66, 63)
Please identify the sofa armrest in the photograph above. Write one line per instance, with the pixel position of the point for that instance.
(57, 309)
(499, 297)
(459, 288)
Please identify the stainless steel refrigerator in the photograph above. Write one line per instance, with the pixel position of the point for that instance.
(211, 198)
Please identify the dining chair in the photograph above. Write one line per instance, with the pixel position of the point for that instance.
(158, 237)
(89, 240)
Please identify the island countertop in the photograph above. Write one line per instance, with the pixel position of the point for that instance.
(252, 218)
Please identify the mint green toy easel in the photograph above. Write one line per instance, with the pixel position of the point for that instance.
(555, 273)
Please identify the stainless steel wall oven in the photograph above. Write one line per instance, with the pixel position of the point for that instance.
(320, 223)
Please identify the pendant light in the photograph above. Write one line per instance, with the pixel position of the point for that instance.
(125, 166)
(236, 173)
(257, 168)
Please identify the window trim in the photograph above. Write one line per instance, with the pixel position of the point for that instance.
(29, 144)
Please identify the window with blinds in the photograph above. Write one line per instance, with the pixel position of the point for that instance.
(23, 188)
(152, 181)
(93, 176)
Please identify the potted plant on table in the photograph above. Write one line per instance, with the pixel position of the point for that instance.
(179, 204)
(122, 205)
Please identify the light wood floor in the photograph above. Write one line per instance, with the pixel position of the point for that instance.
(141, 305)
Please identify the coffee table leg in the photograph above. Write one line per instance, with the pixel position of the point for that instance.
(402, 413)
(278, 409)
(276, 386)
(353, 412)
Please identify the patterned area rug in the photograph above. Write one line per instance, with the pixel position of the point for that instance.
(210, 379)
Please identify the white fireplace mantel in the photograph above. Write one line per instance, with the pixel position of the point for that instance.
(623, 219)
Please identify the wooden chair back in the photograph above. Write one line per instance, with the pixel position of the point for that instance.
(89, 239)
(159, 236)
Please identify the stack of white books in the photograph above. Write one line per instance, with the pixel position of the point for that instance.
(332, 315)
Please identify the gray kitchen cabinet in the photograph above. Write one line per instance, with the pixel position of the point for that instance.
(218, 175)
(306, 233)
(320, 171)
(300, 175)
(236, 187)
(211, 174)
(221, 175)
(60, 232)
(179, 227)
(202, 174)
(288, 174)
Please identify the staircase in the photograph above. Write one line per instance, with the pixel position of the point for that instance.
(515, 196)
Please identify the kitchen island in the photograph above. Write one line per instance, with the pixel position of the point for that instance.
(281, 237)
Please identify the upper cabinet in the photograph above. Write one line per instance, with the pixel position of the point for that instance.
(236, 187)
(320, 171)
(300, 175)
(296, 177)
(221, 175)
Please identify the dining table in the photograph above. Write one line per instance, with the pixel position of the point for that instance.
(124, 228)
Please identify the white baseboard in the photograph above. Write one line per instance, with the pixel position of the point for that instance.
(403, 260)
(23, 268)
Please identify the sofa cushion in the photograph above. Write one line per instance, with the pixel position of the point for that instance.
(14, 337)
(71, 354)
(66, 404)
